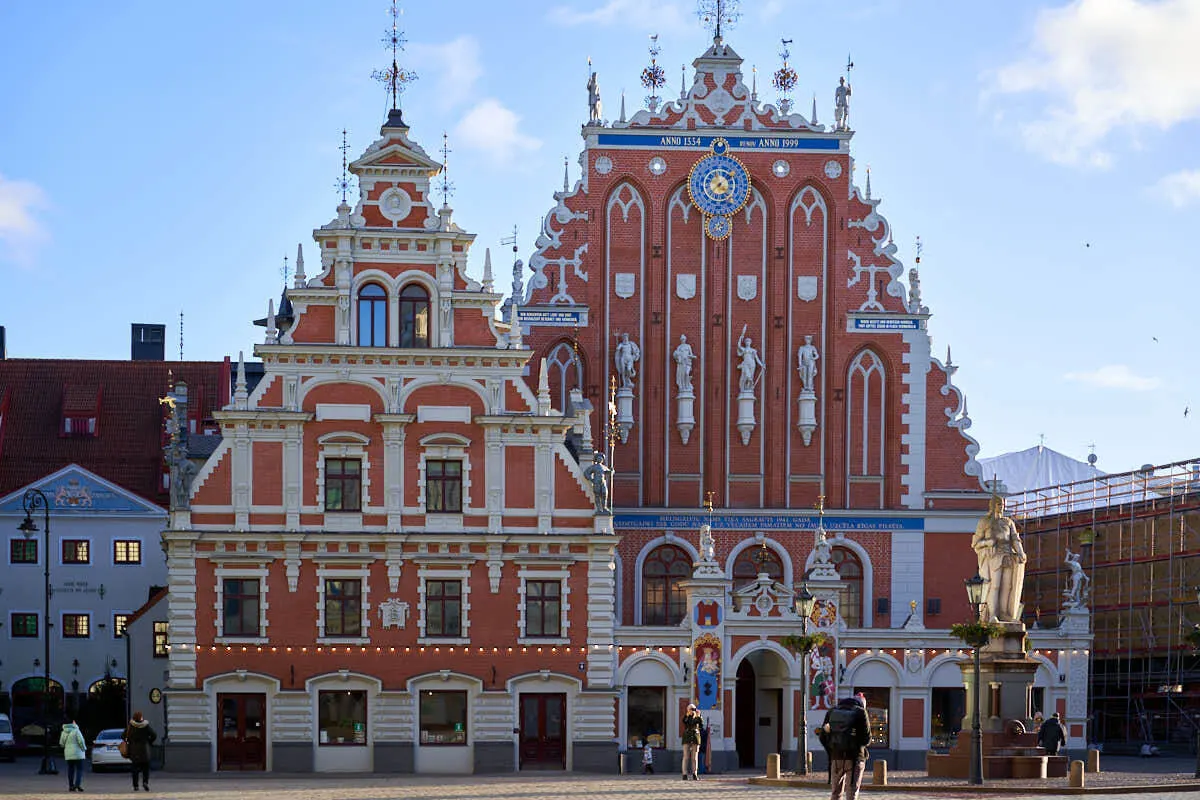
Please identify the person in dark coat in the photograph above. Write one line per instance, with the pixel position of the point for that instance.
(1051, 735)
(848, 749)
(138, 738)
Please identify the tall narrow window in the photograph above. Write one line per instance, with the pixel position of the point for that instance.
(162, 645)
(543, 607)
(663, 574)
(566, 373)
(850, 598)
(24, 625)
(414, 316)
(865, 402)
(343, 484)
(240, 607)
(443, 608)
(120, 621)
(372, 316)
(443, 487)
(343, 607)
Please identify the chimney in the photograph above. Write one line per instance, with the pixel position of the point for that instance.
(148, 342)
(3, 346)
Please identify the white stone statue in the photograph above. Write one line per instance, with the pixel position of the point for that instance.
(841, 105)
(1076, 592)
(684, 356)
(594, 109)
(708, 544)
(598, 474)
(806, 362)
(1001, 556)
(626, 358)
(750, 363)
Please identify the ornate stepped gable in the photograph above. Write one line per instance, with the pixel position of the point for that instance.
(808, 254)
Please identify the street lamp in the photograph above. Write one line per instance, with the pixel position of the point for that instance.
(975, 587)
(804, 607)
(31, 502)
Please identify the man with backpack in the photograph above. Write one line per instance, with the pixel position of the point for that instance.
(845, 735)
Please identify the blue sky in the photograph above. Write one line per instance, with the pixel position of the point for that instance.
(158, 157)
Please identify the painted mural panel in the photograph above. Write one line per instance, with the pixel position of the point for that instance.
(707, 649)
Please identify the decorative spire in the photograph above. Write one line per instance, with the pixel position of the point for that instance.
(920, 247)
(343, 183)
(785, 78)
(868, 181)
(272, 331)
(395, 78)
(180, 336)
(300, 277)
(240, 395)
(447, 188)
(717, 15)
(654, 77)
(566, 174)
(488, 280)
(622, 119)
(683, 81)
(754, 84)
(814, 111)
(543, 394)
(285, 271)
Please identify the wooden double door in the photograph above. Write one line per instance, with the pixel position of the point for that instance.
(241, 732)
(543, 731)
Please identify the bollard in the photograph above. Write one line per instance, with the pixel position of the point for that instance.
(1076, 780)
(880, 777)
(1093, 760)
(808, 761)
(773, 766)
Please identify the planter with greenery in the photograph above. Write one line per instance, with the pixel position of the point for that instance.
(804, 643)
(977, 634)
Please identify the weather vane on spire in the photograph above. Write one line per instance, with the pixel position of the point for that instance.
(785, 78)
(654, 77)
(395, 77)
(447, 188)
(715, 14)
(285, 271)
(343, 183)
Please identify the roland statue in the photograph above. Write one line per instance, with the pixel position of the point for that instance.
(1001, 556)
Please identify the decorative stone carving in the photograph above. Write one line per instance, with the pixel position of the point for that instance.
(747, 287)
(684, 356)
(1001, 556)
(597, 474)
(603, 165)
(626, 357)
(495, 567)
(749, 375)
(806, 362)
(1077, 591)
(595, 109)
(685, 286)
(625, 285)
(708, 544)
(841, 105)
(393, 613)
(806, 288)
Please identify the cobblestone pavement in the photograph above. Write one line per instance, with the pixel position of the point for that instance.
(20, 781)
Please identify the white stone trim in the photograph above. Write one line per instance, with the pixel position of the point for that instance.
(260, 572)
(360, 572)
(444, 572)
(343, 411)
(344, 444)
(785, 558)
(915, 380)
(563, 576)
(666, 538)
(444, 414)
(908, 574)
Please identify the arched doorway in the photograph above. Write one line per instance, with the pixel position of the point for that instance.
(31, 705)
(759, 723)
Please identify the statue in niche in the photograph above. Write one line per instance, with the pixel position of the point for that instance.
(1076, 592)
(841, 105)
(750, 363)
(626, 358)
(684, 356)
(708, 544)
(806, 363)
(597, 474)
(594, 108)
(1001, 556)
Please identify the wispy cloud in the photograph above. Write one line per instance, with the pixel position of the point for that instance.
(638, 14)
(1103, 66)
(495, 130)
(20, 231)
(456, 65)
(1180, 188)
(1115, 376)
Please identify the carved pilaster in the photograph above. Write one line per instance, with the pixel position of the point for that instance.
(601, 618)
(495, 565)
(291, 564)
(293, 469)
(394, 563)
(494, 480)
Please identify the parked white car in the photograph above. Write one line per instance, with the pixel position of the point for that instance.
(8, 746)
(106, 752)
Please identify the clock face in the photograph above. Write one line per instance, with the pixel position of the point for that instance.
(717, 227)
(719, 185)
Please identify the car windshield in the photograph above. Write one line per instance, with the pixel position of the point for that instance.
(110, 735)
(5, 727)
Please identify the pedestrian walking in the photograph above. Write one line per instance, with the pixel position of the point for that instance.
(138, 738)
(647, 759)
(1051, 735)
(705, 748)
(692, 725)
(74, 752)
(845, 734)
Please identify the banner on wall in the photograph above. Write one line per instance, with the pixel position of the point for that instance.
(707, 654)
(822, 677)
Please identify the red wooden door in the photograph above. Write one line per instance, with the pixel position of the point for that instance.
(543, 731)
(242, 732)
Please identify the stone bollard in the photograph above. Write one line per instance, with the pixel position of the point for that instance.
(808, 762)
(773, 766)
(1076, 780)
(880, 777)
(1093, 760)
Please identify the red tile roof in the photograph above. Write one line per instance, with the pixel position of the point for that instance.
(127, 447)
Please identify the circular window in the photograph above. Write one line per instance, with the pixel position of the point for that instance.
(657, 165)
(781, 168)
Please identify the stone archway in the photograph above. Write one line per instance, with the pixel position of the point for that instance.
(762, 705)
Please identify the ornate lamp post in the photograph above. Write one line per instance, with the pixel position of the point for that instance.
(975, 587)
(31, 502)
(804, 607)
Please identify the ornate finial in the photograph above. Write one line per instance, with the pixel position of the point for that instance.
(683, 81)
(488, 279)
(285, 271)
(240, 393)
(394, 77)
(300, 276)
(543, 393)
(654, 77)
(343, 183)
(868, 181)
(785, 77)
(920, 247)
(447, 188)
(622, 117)
(821, 505)
(180, 337)
(518, 286)
(272, 330)
(814, 111)
(718, 14)
(708, 501)
(566, 174)
(754, 84)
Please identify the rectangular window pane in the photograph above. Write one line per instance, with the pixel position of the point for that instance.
(443, 608)
(443, 487)
(119, 623)
(342, 719)
(23, 551)
(443, 718)
(343, 607)
(76, 626)
(240, 613)
(647, 721)
(161, 644)
(343, 484)
(75, 551)
(24, 626)
(127, 551)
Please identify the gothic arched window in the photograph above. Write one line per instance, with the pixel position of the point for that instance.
(414, 316)
(753, 560)
(850, 598)
(866, 384)
(566, 373)
(372, 316)
(663, 574)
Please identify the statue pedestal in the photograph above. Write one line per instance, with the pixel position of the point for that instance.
(745, 414)
(685, 418)
(624, 411)
(808, 415)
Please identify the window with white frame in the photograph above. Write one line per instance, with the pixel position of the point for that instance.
(444, 474)
(544, 598)
(343, 472)
(444, 605)
(241, 603)
(127, 551)
(342, 604)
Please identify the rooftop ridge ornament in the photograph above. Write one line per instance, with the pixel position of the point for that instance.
(395, 77)
(785, 78)
(715, 14)
(447, 187)
(654, 77)
(342, 184)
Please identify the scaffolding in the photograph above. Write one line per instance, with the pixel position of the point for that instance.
(1139, 535)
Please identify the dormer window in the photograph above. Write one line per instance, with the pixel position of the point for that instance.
(414, 316)
(80, 410)
(372, 316)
